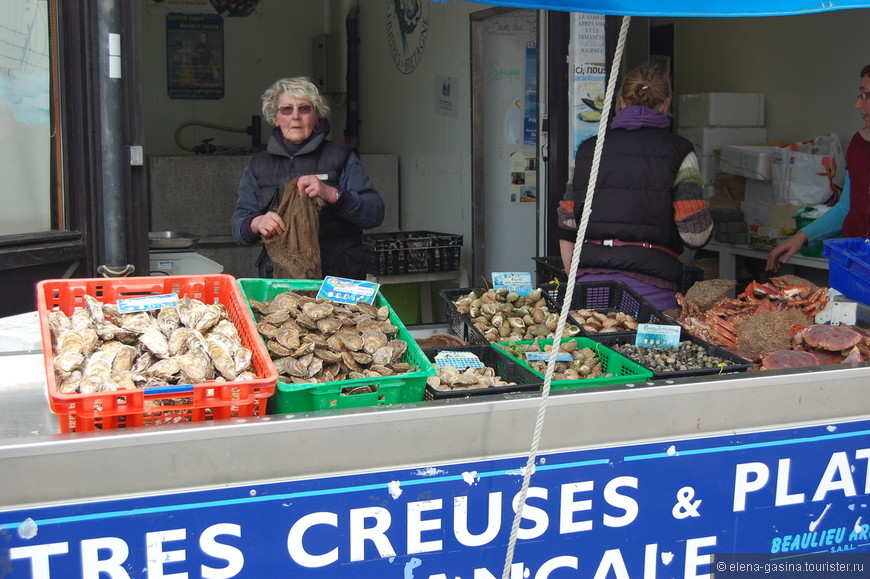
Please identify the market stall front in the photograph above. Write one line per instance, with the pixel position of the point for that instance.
(651, 477)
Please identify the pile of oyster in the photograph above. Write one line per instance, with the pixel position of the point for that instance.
(584, 362)
(315, 340)
(449, 378)
(595, 322)
(98, 349)
(505, 316)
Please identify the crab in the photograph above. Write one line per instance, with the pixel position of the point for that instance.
(819, 345)
(708, 314)
(789, 290)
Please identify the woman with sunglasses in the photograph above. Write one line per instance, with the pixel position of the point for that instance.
(850, 217)
(298, 149)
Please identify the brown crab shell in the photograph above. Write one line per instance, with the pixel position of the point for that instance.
(832, 338)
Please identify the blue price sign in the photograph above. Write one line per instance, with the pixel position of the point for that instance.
(347, 291)
(145, 303)
(659, 509)
(516, 281)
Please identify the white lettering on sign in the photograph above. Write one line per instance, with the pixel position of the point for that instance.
(232, 555)
(111, 565)
(297, 532)
(156, 557)
(38, 555)
(377, 533)
(838, 477)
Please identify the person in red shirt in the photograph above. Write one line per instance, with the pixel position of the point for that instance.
(850, 217)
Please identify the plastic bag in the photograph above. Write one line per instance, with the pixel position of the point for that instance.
(809, 172)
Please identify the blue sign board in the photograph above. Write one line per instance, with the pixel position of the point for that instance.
(659, 509)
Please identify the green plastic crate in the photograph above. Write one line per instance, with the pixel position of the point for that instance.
(624, 369)
(292, 397)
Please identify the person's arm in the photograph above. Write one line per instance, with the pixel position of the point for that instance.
(358, 200)
(247, 209)
(831, 222)
(691, 210)
(828, 225)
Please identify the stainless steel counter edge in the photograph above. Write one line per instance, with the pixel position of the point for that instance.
(48, 469)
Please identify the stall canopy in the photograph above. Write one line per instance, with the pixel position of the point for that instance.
(731, 8)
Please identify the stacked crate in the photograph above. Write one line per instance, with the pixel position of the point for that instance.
(714, 120)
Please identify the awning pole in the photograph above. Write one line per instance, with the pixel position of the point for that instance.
(114, 238)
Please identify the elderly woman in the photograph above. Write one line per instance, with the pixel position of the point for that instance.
(648, 202)
(298, 149)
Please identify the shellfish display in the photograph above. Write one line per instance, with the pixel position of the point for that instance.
(449, 378)
(98, 349)
(505, 316)
(315, 340)
(584, 363)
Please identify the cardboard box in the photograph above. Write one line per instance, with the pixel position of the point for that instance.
(766, 239)
(761, 215)
(708, 140)
(721, 109)
(749, 161)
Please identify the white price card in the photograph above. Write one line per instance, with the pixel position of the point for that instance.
(347, 291)
(657, 336)
(515, 281)
(457, 359)
(145, 303)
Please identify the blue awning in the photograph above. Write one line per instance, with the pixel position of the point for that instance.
(705, 8)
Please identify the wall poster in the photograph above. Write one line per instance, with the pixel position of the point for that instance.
(587, 54)
(194, 56)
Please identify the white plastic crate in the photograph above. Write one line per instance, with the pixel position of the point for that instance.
(721, 109)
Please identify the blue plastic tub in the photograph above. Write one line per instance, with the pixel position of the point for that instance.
(849, 266)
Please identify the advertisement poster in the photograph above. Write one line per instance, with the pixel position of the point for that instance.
(195, 56)
(587, 54)
(654, 510)
(530, 95)
(524, 177)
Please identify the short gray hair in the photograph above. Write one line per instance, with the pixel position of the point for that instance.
(299, 87)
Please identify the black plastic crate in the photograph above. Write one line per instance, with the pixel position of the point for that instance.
(733, 363)
(550, 270)
(461, 325)
(503, 365)
(615, 296)
(411, 252)
(691, 275)
(550, 274)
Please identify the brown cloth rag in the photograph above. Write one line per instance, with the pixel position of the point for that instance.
(295, 254)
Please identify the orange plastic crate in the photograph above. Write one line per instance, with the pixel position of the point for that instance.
(155, 406)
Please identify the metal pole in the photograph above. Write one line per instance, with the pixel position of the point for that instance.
(114, 239)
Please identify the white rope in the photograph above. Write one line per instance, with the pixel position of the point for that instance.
(566, 304)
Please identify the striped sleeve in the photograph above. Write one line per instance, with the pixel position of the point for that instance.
(691, 210)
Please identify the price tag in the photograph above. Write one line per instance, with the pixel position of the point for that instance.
(347, 291)
(545, 356)
(657, 336)
(457, 359)
(515, 281)
(145, 303)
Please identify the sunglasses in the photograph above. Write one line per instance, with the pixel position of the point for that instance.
(303, 110)
(863, 96)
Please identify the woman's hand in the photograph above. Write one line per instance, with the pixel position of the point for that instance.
(268, 224)
(784, 250)
(313, 187)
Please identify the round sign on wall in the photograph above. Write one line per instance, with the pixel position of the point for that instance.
(407, 26)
